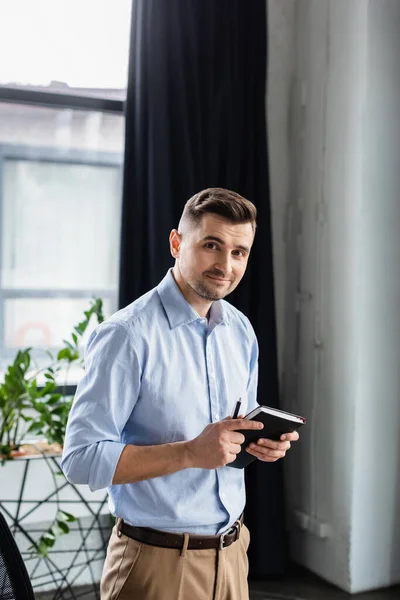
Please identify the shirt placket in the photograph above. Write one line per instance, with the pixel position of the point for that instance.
(212, 380)
(216, 403)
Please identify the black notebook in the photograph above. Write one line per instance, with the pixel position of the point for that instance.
(276, 422)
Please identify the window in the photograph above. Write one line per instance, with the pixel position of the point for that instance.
(65, 44)
(60, 211)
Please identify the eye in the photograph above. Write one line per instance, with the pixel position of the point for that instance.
(211, 246)
(239, 253)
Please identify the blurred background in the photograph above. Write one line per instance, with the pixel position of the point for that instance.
(61, 165)
(112, 114)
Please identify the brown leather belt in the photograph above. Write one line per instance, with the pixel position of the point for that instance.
(167, 539)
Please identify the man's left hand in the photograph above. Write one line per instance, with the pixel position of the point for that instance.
(271, 451)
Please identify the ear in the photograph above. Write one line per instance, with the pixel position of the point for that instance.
(175, 240)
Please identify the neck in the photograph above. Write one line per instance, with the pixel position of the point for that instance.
(200, 305)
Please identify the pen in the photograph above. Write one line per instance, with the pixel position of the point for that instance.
(237, 408)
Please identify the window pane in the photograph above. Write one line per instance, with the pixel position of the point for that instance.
(44, 323)
(60, 213)
(64, 129)
(60, 225)
(84, 44)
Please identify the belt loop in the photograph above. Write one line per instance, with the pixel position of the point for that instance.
(185, 544)
(118, 526)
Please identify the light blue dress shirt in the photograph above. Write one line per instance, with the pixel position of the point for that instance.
(156, 373)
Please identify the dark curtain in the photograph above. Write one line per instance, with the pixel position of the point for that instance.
(195, 118)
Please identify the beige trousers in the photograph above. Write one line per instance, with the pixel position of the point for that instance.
(137, 571)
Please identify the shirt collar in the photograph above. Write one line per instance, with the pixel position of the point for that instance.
(218, 313)
(179, 311)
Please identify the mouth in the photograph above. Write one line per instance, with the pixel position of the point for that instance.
(220, 279)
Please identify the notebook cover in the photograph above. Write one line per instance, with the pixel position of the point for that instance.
(274, 427)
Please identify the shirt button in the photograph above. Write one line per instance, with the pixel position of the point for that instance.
(212, 375)
(216, 416)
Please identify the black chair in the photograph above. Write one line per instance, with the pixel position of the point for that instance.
(14, 579)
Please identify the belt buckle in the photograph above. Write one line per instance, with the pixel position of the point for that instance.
(237, 526)
(222, 539)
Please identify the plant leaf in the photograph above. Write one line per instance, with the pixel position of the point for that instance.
(64, 516)
(63, 526)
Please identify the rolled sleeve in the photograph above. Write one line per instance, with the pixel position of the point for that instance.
(103, 403)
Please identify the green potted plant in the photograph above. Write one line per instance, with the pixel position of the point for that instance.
(51, 403)
(14, 402)
(29, 410)
(45, 407)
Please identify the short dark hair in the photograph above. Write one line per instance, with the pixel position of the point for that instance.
(225, 203)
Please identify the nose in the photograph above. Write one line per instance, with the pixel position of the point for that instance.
(224, 264)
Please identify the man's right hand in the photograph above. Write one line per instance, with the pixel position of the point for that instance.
(219, 443)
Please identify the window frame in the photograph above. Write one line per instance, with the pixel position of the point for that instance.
(51, 99)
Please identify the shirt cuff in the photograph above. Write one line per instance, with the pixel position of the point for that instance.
(104, 464)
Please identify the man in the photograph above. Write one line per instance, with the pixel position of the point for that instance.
(148, 418)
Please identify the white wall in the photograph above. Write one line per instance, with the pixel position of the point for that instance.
(334, 148)
(376, 499)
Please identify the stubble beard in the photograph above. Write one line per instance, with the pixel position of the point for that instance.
(202, 290)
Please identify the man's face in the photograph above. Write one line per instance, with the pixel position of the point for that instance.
(212, 256)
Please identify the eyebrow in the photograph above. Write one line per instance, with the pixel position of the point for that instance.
(213, 238)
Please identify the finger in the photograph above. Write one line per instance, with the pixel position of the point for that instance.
(234, 449)
(232, 456)
(273, 444)
(264, 454)
(267, 451)
(258, 455)
(292, 437)
(236, 438)
(235, 424)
